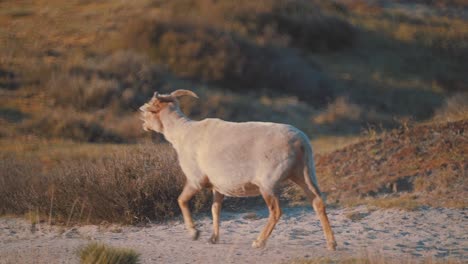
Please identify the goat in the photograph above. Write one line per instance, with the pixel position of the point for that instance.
(235, 159)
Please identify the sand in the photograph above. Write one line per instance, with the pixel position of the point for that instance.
(360, 232)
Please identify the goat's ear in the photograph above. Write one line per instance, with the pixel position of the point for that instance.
(182, 92)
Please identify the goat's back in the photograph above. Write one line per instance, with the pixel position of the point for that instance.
(236, 157)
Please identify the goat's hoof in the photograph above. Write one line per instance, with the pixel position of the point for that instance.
(213, 239)
(258, 244)
(331, 246)
(195, 234)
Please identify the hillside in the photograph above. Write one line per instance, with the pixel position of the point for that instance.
(77, 70)
(415, 173)
(425, 164)
(380, 87)
(72, 75)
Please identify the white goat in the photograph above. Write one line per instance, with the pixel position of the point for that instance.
(236, 159)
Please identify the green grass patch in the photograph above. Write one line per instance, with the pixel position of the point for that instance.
(97, 253)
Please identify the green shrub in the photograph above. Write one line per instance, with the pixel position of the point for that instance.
(97, 253)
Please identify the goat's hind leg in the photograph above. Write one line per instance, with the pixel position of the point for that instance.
(317, 203)
(272, 201)
(215, 210)
(183, 200)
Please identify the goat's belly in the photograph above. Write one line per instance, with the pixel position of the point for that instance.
(247, 189)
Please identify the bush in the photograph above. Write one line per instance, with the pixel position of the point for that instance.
(122, 80)
(81, 92)
(280, 22)
(455, 108)
(70, 125)
(303, 24)
(131, 185)
(96, 253)
(206, 54)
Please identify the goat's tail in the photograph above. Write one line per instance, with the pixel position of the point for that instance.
(309, 171)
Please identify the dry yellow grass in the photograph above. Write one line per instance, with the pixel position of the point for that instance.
(93, 183)
(63, 76)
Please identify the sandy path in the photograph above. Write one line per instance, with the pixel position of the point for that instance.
(395, 234)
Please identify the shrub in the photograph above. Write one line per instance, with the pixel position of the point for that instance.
(81, 92)
(339, 110)
(455, 108)
(70, 125)
(8, 79)
(122, 80)
(96, 253)
(304, 25)
(280, 22)
(132, 185)
(206, 54)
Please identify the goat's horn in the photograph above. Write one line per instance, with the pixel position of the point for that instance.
(163, 97)
(182, 92)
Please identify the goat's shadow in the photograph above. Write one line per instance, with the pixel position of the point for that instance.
(257, 212)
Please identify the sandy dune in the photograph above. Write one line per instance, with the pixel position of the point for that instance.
(396, 234)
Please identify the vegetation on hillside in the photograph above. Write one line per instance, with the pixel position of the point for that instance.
(386, 60)
(409, 167)
(75, 72)
(426, 164)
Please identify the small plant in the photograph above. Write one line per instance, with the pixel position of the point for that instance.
(356, 216)
(455, 108)
(97, 253)
(406, 203)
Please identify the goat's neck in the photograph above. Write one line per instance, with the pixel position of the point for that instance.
(175, 124)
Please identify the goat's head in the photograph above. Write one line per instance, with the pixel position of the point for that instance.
(151, 111)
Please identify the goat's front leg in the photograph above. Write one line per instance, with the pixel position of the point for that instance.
(183, 200)
(215, 210)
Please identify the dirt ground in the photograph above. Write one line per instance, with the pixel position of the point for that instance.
(361, 232)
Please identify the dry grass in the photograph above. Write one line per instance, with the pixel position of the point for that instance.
(337, 261)
(68, 183)
(69, 124)
(455, 108)
(96, 253)
(330, 69)
(199, 53)
(268, 22)
(386, 62)
(121, 184)
(373, 258)
(409, 167)
(74, 183)
(122, 81)
(407, 202)
(243, 46)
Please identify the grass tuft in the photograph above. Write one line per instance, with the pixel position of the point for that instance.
(97, 253)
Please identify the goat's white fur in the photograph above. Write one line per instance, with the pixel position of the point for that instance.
(236, 159)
